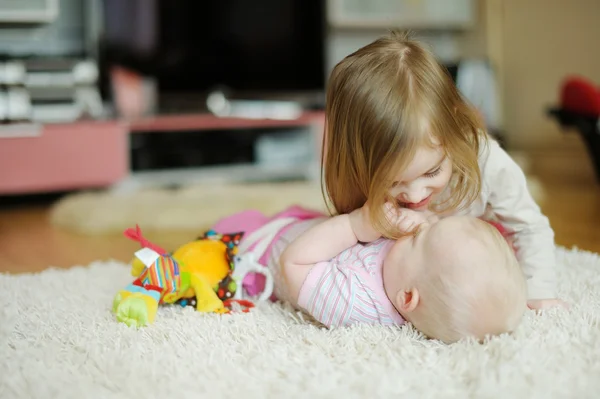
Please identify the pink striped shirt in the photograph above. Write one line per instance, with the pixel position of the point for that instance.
(345, 290)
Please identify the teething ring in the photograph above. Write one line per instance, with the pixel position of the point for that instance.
(243, 302)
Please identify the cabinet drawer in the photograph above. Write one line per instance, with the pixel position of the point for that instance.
(59, 157)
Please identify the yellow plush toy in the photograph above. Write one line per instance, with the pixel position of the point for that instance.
(201, 271)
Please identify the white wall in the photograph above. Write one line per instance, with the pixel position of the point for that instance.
(449, 45)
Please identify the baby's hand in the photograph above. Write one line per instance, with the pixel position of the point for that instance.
(362, 226)
(406, 220)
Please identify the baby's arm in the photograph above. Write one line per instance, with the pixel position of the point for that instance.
(319, 243)
(322, 242)
(512, 203)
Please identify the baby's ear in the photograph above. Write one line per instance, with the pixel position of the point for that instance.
(407, 300)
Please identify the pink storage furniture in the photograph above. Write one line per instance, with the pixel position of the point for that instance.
(56, 157)
(90, 154)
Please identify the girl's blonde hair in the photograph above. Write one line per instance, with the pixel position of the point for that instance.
(383, 102)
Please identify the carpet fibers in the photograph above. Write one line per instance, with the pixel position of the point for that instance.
(58, 339)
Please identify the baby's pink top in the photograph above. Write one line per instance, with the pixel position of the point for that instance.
(348, 289)
(345, 290)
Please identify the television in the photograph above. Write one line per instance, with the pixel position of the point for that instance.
(251, 49)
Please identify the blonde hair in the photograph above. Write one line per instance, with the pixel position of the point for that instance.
(383, 102)
(457, 298)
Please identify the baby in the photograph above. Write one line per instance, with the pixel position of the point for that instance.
(453, 278)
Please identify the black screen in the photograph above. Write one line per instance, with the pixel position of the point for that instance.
(197, 45)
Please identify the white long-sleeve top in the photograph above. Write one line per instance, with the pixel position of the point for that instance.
(504, 193)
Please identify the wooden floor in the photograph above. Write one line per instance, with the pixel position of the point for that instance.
(573, 197)
(29, 243)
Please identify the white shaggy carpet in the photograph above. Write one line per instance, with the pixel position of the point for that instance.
(58, 339)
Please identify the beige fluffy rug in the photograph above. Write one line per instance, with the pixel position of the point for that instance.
(58, 339)
(194, 207)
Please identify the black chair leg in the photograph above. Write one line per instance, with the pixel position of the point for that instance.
(592, 141)
(589, 129)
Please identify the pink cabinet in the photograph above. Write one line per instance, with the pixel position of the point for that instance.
(58, 157)
(90, 154)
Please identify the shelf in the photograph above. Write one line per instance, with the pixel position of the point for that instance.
(390, 24)
(211, 122)
(238, 173)
(404, 14)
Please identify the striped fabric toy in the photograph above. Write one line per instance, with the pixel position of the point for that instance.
(163, 274)
(137, 304)
(191, 273)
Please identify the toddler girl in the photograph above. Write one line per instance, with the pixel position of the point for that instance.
(399, 131)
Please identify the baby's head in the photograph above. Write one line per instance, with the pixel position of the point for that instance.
(456, 278)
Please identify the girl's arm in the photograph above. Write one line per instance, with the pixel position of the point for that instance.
(514, 206)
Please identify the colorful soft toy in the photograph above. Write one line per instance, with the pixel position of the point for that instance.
(203, 273)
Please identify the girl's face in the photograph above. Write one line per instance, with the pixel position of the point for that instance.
(424, 178)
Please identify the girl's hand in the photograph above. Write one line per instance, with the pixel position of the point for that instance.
(542, 304)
